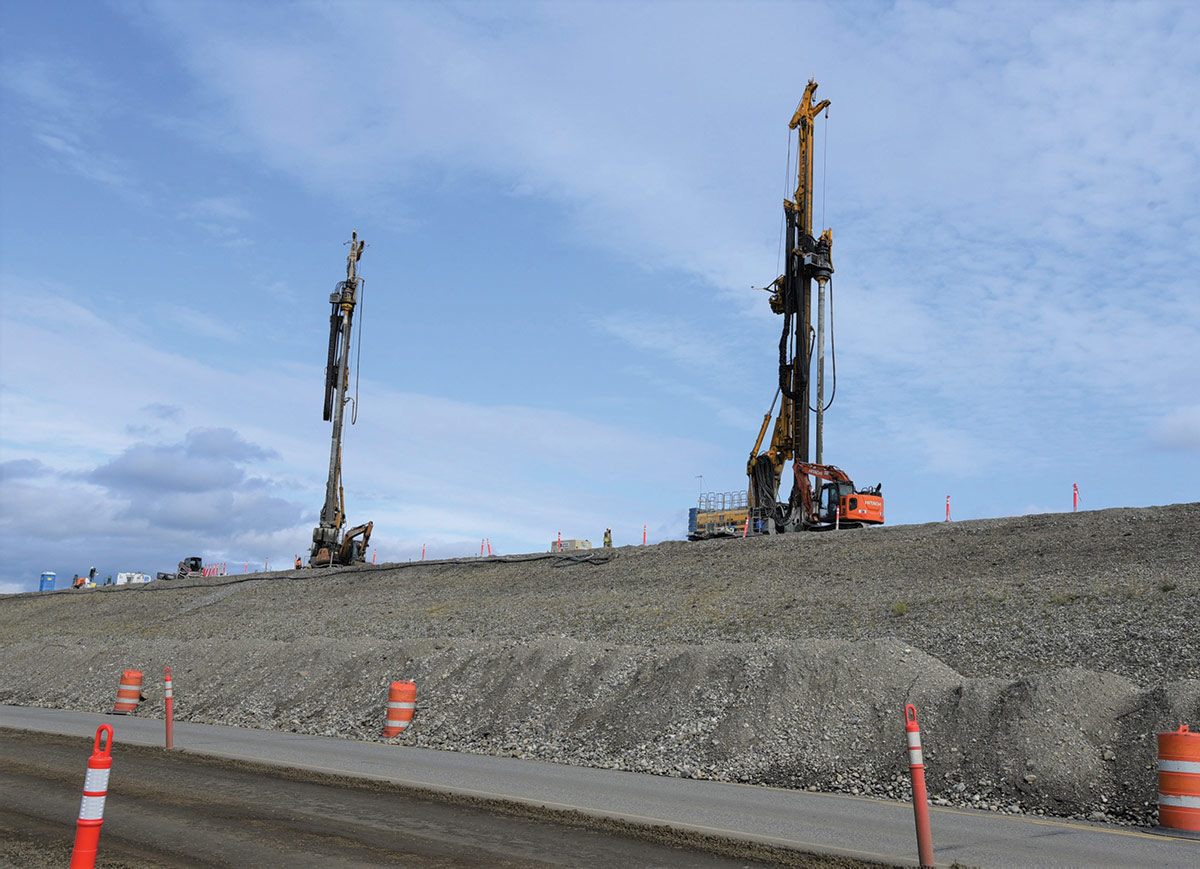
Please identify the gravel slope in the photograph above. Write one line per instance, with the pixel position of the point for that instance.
(1042, 653)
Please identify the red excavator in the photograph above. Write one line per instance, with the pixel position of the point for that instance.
(838, 503)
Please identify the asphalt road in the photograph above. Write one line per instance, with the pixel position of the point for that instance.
(175, 809)
(863, 829)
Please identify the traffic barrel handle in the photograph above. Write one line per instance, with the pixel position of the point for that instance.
(910, 719)
(916, 767)
(91, 809)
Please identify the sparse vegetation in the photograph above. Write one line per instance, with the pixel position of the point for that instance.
(1167, 585)
(1064, 597)
(899, 608)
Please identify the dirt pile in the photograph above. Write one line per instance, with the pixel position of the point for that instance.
(1042, 652)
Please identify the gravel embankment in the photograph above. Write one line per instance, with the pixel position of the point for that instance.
(1042, 652)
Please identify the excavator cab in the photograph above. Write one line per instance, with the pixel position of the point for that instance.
(834, 497)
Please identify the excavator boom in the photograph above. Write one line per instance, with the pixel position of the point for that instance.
(825, 472)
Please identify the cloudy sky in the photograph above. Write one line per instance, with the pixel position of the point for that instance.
(566, 207)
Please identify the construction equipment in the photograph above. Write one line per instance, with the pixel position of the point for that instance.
(133, 577)
(719, 514)
(328, 544)
(838, 503)
(806, 259)
(191, 566)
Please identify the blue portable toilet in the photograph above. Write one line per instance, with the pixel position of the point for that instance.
(47, 583)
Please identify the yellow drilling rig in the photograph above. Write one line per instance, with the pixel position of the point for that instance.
(837, 502)
(329, 545)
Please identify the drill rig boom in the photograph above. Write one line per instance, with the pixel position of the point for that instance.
(837, 503)
(327, 546)
(808, 258)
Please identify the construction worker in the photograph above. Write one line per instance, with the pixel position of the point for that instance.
(608, 538)
(78, 581)
(299, 563)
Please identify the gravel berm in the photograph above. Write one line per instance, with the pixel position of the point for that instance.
(1043, 654)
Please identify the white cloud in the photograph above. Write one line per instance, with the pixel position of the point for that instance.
(162, 411)
(428, 87)
(190, 324)
(224, 480)
(60, 87)
(975, 202)
(229, 208)
(1179, 430)
(94, 166)
(63, 104)
(220, 217)
(688, 344)
(944, 449)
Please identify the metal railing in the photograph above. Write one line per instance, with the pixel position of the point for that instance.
(713, 501)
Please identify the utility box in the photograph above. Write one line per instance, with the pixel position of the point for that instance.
(572, 545)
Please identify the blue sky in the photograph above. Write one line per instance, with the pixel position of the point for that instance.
(566, 207)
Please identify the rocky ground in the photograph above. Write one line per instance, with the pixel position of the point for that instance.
(1042, 654)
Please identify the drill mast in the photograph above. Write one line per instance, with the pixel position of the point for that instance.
(807, 258)
(327, 546)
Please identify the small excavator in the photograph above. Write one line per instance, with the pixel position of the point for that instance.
(329, 545)
(838, 504)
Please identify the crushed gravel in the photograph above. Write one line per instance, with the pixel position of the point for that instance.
(1042, 653)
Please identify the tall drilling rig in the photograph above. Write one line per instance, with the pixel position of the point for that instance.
(835, 503)
(805, 259)
(329, 546)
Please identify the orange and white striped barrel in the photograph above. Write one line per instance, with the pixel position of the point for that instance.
(402, 700)
(129, 693)
(1179, 780)
(91, 810)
